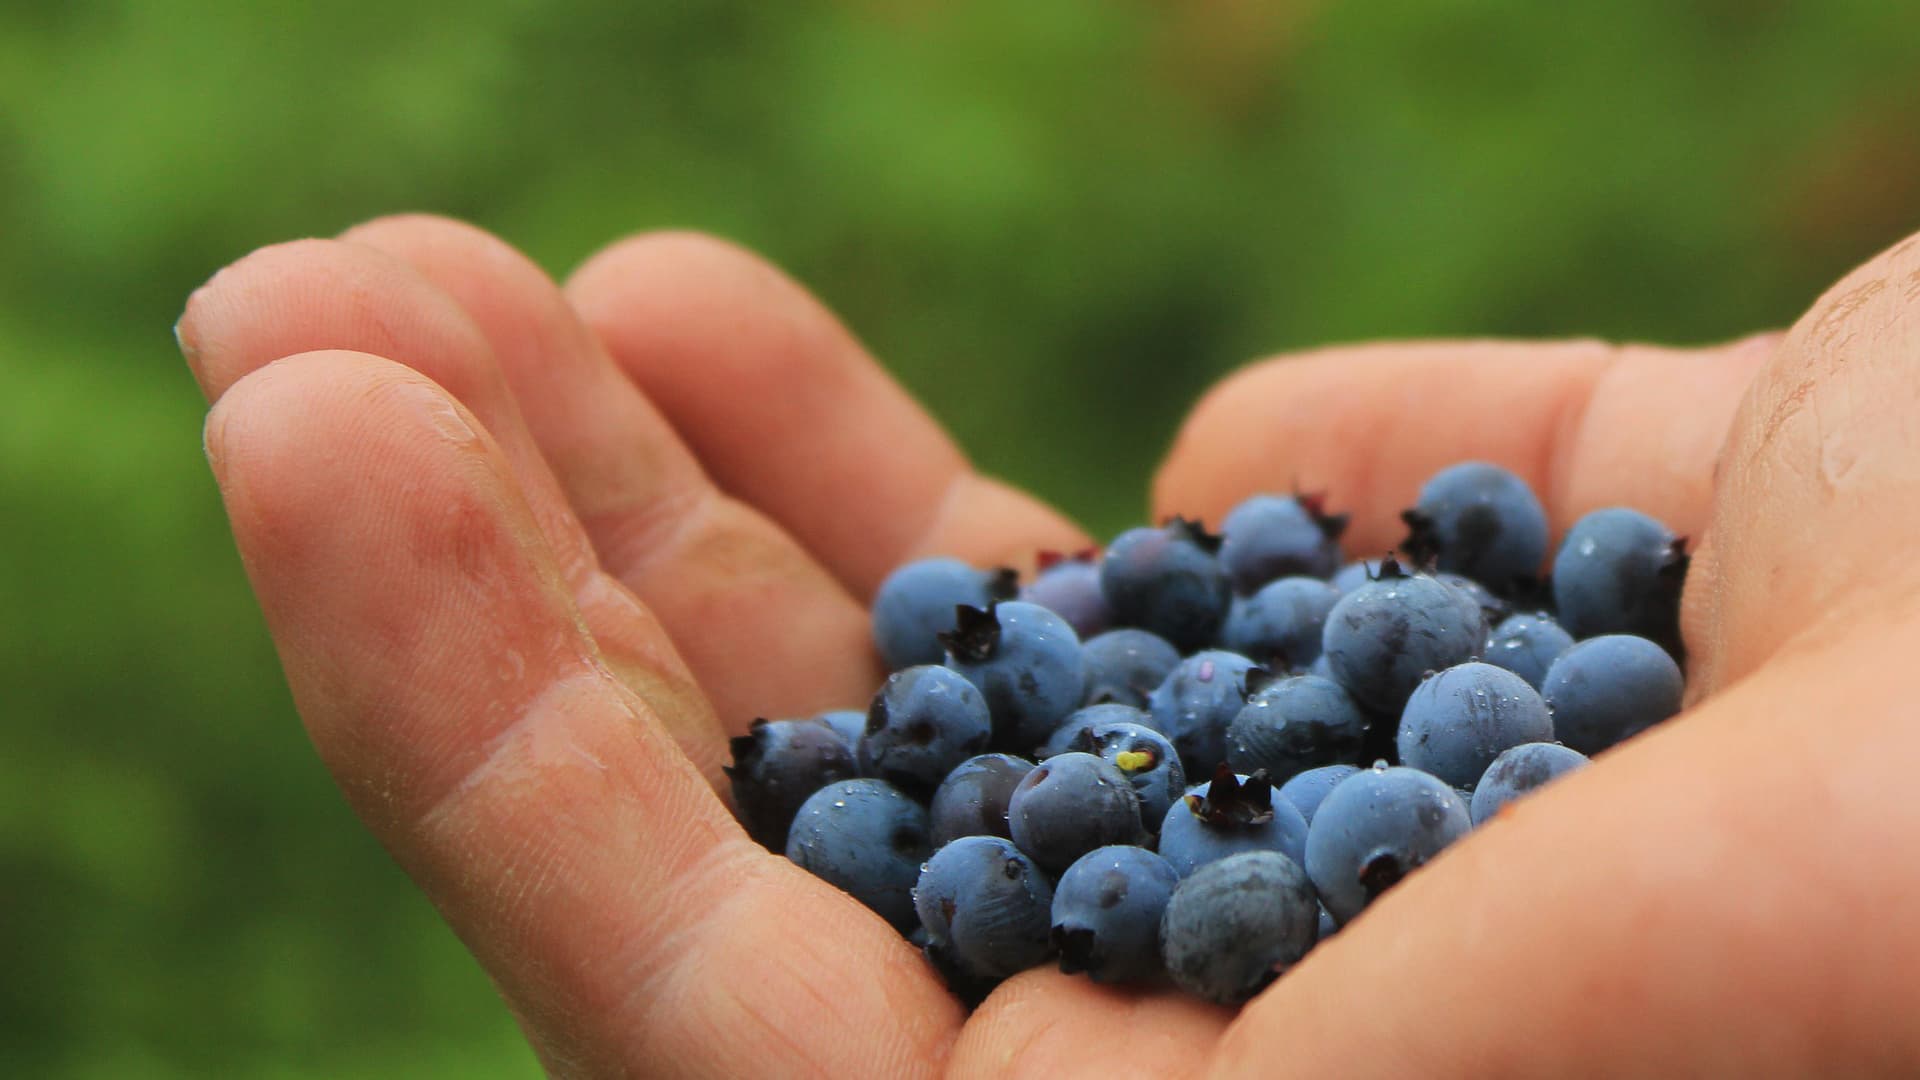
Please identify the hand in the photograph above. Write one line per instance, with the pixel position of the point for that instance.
(529, 555)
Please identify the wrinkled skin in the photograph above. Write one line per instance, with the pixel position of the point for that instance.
(511, 538)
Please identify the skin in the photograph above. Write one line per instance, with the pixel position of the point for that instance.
(511, 538)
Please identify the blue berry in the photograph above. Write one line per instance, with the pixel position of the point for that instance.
(1106, 913)
(1307, 789)
(1069, 586)
(972, 800)
(1271, 536)
(1479, 520)
(1492, 609)
(1026, 661)
(1282, 622)
(1197, 703)
(1070, 804)
(1227, 815)
(986, 907)
(1295, 724)
(1144, 756)
(1374, 828)
(776, 765)
(866, 838)
(1526, 645)
(1234, 925)
(1458, 721)
(1608, 688)
(1620, 572)
(1168, 581)
(1518, 771)
(849, 724)
(1384, 636)
(1090, 716)
(1125, 665)
(1353, 575)
(925, 720)
(915, 606)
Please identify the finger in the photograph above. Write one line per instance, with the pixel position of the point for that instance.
(1044, 1023)
(438, 661)
(1740, 902)
(317, 294)
(1586, 424)
(763, 627)
(790, 414)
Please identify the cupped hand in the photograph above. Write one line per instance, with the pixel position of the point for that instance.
(529, 554)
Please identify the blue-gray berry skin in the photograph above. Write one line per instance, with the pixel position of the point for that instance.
(776, 765)
(1374, 828)
(1144, 756)
(1106, 913)
(1307, 790)
(1520, 770)
(1281, 624)
(1608, 688)
(1125, 665)
(1382, 638)
(1069, 587)
(1235, 925)
(1197, 703)
(1026, 661)
(986, 907)
(1294, 724)
(1090, 716)
(972, 800)
(1274, 536)
(1482, 521)
(1228, 815)
(1527, 645)
(850, 724)
(1167, 581)
(1620, 572)
(914, 606)
(925, 720)
(868, 839)
(1462, 718)
(1491, 608)
(1070, 804)
(1327, 926)
(1353, 575)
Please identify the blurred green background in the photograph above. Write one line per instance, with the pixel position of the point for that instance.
(1057, 222)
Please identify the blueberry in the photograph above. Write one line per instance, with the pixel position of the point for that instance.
(1526, 645)
(1374, 828)
(1295, 724)
(1124, 666)
(972, 800)
(1144, 756)
(915, 606)
(1168, 581)
(1479, 520)
(1307, 789)
(1327, 926)
(1608, 688)
(1492, 609)
(925, 720)
(1070, 804)
(868, 839)
(1282, 622)
(1197, 703)
(1462, 718)
(1384, 636)
(1069, 586)
(1227, 815)
(986, 907)
(1272, 536)
(1353, 575)
(1026, 661)
(1090, 716)
(1620, 572)
(1235, 925)
(850, 724)
(1106, 913)
(1518, 771)
(776, 765)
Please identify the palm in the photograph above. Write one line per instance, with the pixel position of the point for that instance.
(425, 568)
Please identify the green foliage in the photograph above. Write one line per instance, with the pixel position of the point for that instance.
(1057, 223)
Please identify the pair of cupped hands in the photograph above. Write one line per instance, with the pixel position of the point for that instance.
(530, 553)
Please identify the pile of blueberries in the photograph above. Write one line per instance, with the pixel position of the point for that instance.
(1018, 790)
